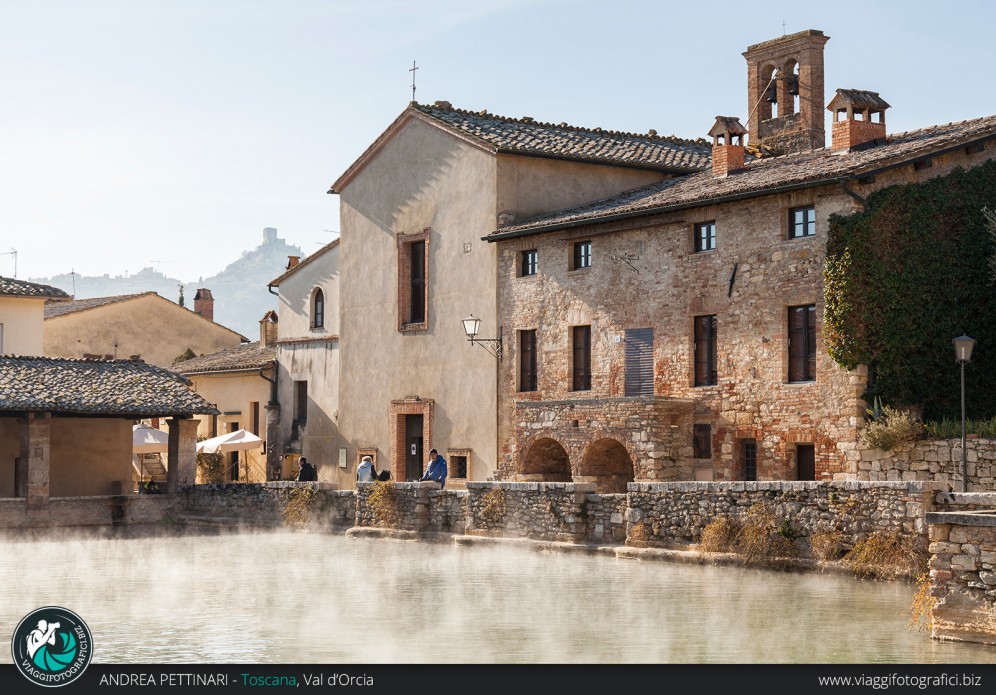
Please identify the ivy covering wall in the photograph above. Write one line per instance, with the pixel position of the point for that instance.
(903, 279)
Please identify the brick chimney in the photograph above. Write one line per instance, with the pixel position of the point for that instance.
(204, 304)
(727, 145)
(858, 120)
(292, 261)
(268, 329)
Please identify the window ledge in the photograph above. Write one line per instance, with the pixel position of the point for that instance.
(409, 328)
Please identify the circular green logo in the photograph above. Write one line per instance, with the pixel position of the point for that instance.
(52, 646)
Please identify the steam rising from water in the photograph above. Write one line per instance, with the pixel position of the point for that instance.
(286, 597)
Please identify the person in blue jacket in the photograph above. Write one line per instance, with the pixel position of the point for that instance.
(436, 470)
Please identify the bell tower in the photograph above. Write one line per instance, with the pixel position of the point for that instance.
(785, 92)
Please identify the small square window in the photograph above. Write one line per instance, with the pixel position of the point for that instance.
(802, 222)
(528, 263)
(705, 237)
(582, 255)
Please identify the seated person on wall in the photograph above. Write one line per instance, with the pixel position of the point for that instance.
(307, 472)
(436, 470)
(365, 472)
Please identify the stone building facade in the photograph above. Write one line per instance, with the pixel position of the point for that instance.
(674, 332)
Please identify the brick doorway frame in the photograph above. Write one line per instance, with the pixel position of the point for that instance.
(397, 412)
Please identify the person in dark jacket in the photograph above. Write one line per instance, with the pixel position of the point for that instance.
(307, 471)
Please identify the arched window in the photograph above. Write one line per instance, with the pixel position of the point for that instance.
(318, 309)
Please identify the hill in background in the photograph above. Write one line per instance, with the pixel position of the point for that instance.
(240, 294)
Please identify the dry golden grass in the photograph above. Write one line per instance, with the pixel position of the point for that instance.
(888, 555)
(759, 541)
(827, 545)
(719, 536)
(383, 502)
(921, 606)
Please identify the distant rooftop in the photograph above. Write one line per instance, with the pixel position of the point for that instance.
(53, 309)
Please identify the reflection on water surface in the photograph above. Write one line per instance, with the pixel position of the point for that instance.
(282, 597)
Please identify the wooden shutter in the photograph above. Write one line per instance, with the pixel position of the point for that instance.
(639, 362)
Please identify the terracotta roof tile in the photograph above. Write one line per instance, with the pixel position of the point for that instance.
(23, 288)
(526, 136)
(761, 176)
(248, 356)
(115, 388)
(53, 309)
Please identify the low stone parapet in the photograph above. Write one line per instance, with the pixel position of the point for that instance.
(551, 511)
(678, 512)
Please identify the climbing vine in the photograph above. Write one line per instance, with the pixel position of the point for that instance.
(904, 278)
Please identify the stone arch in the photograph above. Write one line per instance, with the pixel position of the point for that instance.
(608, 464)
(765, 107)
(789, 87)
(546, 460)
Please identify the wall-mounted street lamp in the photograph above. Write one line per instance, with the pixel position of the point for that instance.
(471, 326)
(963, 355)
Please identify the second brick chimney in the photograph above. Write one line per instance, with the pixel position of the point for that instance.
(727, 145)
(204, 304)
(858, 120)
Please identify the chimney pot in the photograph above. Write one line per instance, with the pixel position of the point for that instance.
(292, 261)
(268, 329)
(727, 145)
(854, 119)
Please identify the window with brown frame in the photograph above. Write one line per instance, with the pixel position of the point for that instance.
(527, 360)
(802, 343)
(581, 362)
(706, 363)
(413, 281)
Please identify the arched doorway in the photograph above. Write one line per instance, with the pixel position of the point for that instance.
(547, 461)
(607, 464)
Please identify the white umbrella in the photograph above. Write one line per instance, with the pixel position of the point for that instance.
(148, 440)
(239, 440)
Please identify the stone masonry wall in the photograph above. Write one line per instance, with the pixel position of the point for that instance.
(963, 575)
(606, 518)
(265, 502)
(677, 512)
(551, 511)
(936, 460)
(421, 507)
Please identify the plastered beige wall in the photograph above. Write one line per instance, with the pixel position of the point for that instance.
(530, 186)
(296, 292)
(150, 326)
(318, 364)
(233, 395)
(423, 178)
(21, 329)
(88, 454)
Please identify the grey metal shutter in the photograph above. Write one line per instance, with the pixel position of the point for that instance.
(639, 362)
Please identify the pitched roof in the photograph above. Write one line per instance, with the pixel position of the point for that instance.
(525, 136)
(13, 287)
(761, 177)
(290, 271)
(53, 309)
(62, 308)
(233, 359)
(115, 388)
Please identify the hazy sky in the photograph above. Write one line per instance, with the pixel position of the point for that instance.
(134, 131)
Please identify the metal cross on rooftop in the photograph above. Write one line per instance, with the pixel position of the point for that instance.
(412, 70)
